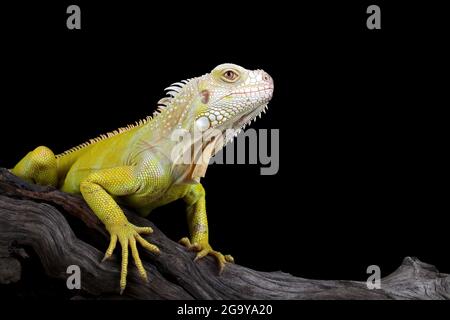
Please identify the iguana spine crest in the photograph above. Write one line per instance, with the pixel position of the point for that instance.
(172, 92)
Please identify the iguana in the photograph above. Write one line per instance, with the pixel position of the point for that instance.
(136, 166)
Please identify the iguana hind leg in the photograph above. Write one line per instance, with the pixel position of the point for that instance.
(38, 166)
(198, 227)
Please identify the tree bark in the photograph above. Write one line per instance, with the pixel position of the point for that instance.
(47, 221)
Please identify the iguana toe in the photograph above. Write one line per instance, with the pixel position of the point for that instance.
(204, 250)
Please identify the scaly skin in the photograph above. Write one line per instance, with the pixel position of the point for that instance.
(137, 165)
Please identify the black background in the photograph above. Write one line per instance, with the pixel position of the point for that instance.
(363, 167)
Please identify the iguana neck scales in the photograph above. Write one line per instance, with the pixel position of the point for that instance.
(137, 165)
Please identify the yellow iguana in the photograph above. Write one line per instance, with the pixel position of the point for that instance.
(137, 165)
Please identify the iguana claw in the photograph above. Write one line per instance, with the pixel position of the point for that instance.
(205, 249)
(128, 234)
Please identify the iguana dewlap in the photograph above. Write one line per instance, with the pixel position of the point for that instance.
(137, 165)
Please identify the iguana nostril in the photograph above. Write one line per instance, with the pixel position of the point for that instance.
(266, 77)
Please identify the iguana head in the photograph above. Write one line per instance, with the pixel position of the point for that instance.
(229, 97)
(223, 101)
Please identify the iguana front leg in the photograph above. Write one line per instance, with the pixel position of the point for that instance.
(97, 189)
(198, 227)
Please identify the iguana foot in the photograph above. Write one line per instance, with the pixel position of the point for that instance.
(127, 234)
(204, 249)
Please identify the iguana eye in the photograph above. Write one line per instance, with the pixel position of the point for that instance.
(230, 76)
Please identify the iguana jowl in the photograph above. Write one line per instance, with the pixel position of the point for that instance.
(134, 166)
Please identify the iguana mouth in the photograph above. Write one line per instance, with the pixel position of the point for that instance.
(247, 118)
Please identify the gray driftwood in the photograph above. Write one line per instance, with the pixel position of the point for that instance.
(36, 218)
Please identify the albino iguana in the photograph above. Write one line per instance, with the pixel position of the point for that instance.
(137, 165)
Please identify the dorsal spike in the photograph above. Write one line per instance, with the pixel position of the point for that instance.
(165, 101)
(172, 93)
(173, 88)
(178, 84)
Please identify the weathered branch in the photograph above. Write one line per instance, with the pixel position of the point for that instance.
(42, 218)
